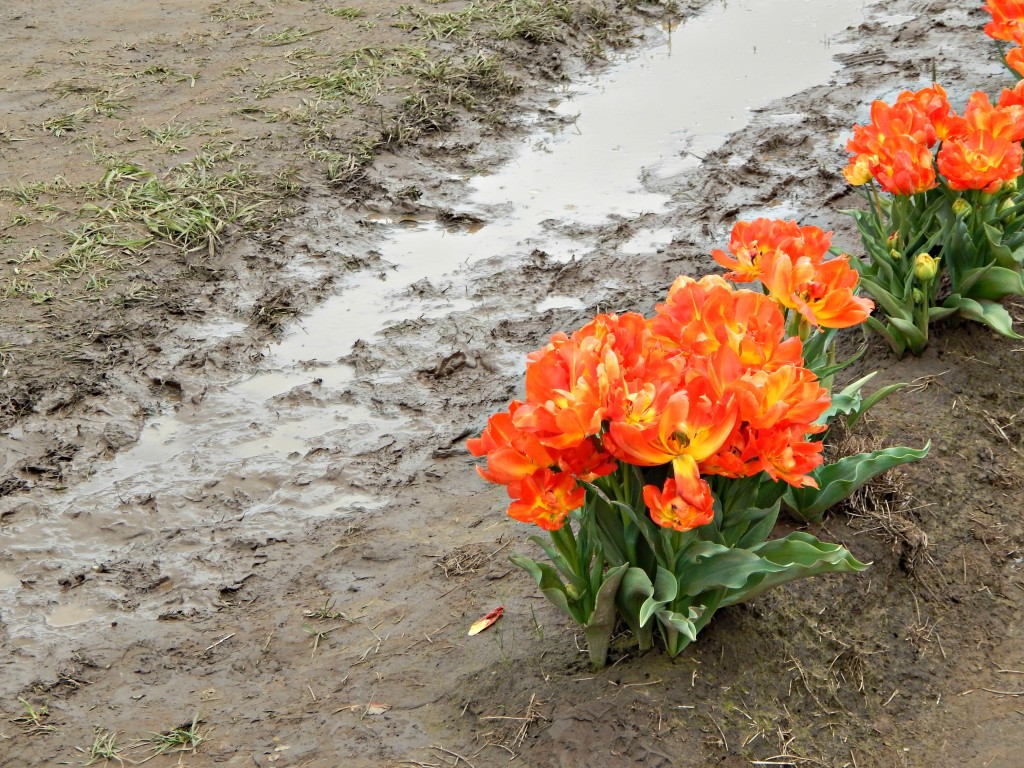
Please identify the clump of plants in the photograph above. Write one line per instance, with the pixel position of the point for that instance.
(943, 230)
(657, 452)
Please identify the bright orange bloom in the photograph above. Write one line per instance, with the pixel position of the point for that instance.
(1015, 60)
(1013, 97)
(687, 426)
(979, 161)
(512, 454)
(786, 397)
(934, 103)
(1003, 121)
(895, 144)
(905, 118)
(703, 315)
(545, 498)
(858, 171)
(1007, 20)
(823, 293)
(904, 167)
(752, 241)
(587, 461)
(567, 381)
(785, 455)
(682, 505)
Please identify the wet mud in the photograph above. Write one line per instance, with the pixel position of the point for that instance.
(264, 525)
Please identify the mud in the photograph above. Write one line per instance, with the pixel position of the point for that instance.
(251, 505)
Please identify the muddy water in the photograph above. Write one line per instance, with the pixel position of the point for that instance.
(265, 450)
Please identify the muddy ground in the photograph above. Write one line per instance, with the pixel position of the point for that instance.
(302, 637)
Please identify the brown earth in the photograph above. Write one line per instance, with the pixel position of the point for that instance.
(340, 639)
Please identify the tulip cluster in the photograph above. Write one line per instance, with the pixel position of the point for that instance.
(658, 452)
(979, 150)
(709, 386)
(943, 210)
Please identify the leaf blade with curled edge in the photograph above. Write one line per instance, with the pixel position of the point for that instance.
(481, 624)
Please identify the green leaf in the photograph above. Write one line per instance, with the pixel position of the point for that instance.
(665, 590)
(992, 283)
(634, 589)
(916, 340)
(677, 630)
(875, 397)
(892, 305)
(987, 313)
(601, 624)
(795, 556)
(713, 565)
(838, 480)
(550, 585)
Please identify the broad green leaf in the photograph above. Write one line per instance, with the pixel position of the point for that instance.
(634, 589)
(795, 556)
(601, 623)
(838, 480)
(992, 283)
(666, 588)
(916, 340)
(875, 397)
(714, 565)
(550, 585)
(988, 313)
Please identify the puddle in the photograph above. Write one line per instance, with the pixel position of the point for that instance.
(649, 116)
(648, 241)
(69, 615)
(259, 449)
(560, 302)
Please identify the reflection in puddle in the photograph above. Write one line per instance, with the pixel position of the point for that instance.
(69, 615)
(560, 302)
(648, 241)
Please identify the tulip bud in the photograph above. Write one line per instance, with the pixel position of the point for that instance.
(1010, 186)
(918, 296)
(961, 207)
(571, 591)
(895, 255)
(891, 241)
(1005, 206)
(926, 267)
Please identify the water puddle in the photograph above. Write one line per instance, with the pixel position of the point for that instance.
(8, 580)
(560, 302)
(248, 450)
(69, 615)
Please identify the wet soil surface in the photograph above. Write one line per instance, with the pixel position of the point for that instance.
(247, 513)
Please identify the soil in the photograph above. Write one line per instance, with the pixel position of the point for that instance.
(232, 598)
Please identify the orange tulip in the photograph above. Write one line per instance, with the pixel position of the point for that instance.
(789, 396)
(979, 161)
(681, 505)
(1015, 60)
(1007, 20)
(753, 241)
(512, 454)
(934, 104)
(787, 456)
(545, 498)
(1003, 121)
(904, 167)
(822, 293)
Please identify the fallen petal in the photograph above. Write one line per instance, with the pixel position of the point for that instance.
(481, 624)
